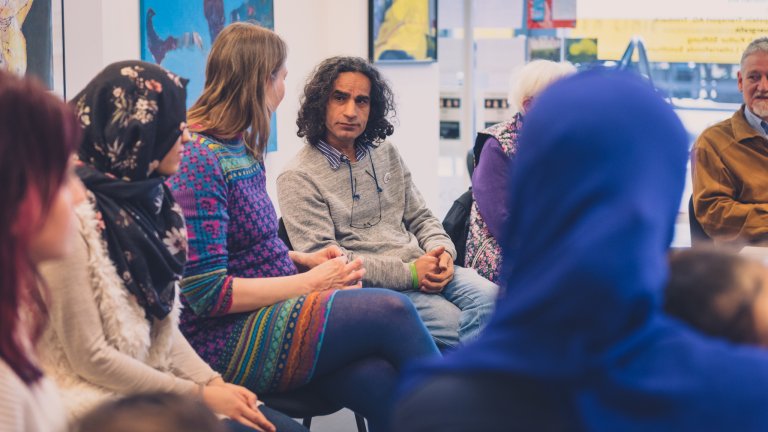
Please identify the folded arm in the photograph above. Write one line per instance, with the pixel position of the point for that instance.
(722, 216)
(420, 221)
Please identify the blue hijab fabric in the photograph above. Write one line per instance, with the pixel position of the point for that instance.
(595, 191)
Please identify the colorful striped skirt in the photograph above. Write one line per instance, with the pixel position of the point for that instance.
(272, 349)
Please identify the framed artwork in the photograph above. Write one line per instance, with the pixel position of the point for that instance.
(549, 14)
(32, 41)
(402, 30)
(581, 51)
(544, 47)
(178, 34)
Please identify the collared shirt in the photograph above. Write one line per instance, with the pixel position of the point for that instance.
(756, 122)
(335, 157)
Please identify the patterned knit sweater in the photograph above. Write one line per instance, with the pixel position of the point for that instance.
(233, 233)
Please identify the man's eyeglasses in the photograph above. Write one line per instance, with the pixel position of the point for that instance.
(358, 218)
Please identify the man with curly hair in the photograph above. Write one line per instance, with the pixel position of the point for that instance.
(349, 187)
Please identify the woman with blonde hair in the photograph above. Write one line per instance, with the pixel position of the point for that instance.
(494, 149)
(266, 317)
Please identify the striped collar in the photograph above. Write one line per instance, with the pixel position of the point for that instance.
(335, 157)
(756, 122)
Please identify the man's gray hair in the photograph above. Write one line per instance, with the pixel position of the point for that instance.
(759, 44)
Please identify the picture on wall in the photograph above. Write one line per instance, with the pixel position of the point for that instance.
(581, 51)
(31, 41)
(545, 48)
(178, 34)
(402, 30)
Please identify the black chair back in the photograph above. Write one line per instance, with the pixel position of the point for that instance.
(282, 233)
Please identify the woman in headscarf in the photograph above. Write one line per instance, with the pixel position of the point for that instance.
(580, 341)
(38, 137)
(115, 308)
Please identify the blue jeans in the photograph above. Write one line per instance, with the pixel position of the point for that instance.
(458, 313)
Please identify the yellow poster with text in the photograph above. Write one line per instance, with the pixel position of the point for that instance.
(674, 40)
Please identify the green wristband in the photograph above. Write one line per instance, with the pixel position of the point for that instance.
(414, 275)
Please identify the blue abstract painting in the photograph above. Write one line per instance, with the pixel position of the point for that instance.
(178, 34)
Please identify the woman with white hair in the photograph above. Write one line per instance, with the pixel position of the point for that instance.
(493, 150)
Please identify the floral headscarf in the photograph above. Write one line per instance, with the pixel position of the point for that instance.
(130, 114)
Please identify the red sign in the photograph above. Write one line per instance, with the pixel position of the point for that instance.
(539, 14)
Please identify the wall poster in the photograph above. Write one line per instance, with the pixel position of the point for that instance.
(178, 34)
(32, 41)
(402, 30)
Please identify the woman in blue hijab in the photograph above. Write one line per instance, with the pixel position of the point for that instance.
(579, 341)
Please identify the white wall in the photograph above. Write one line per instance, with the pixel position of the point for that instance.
(97, 33)
(313, 30)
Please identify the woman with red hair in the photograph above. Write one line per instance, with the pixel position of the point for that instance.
(38, 135)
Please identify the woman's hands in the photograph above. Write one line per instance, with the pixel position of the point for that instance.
(237, 403)
(328, 268)
(307, 261)
(335, 273)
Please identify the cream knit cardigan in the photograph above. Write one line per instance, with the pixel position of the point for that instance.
(124, 325)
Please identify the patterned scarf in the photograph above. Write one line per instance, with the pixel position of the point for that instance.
(131, 113)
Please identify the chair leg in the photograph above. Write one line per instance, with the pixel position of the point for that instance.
(360, 420)
(307, 422)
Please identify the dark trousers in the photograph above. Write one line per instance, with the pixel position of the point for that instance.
(484, 402)
(282, 422)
